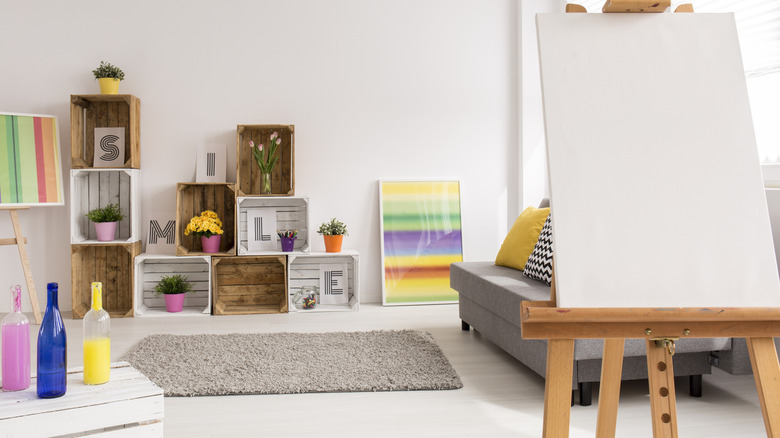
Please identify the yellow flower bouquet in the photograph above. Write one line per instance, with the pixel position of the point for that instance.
(205, 225)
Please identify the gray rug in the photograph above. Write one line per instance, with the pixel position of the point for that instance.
(287, 363)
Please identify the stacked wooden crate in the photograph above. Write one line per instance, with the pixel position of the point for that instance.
(91, 260)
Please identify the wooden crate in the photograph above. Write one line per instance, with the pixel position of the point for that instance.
(111, 264)
(191, 200)
(149, 270)
(90, 111)
(93, 188)
(247, 170)
(292, 213)
(128, 405)
(247, 285)
(304, 270)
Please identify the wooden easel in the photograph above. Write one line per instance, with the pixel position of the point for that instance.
(659, 327)
(20, 241)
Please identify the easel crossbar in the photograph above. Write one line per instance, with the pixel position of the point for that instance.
(544, 322)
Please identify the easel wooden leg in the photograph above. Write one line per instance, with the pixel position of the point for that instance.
(557, 387)
(663, 405)
(609, 392)
(20, 242)
(766, 371)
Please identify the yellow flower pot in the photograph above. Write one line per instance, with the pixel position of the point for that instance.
(109, 85)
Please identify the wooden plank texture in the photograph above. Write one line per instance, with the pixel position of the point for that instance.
(91, 189)
(194, 198)
(247, 170)
(111, 264)
(128, 405)
(291, 214)
(245, 285)
(94, 111)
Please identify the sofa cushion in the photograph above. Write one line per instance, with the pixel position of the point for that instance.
(497, 288)
(540, 262)
(522, 237)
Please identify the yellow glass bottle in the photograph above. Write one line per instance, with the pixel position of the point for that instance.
(97, 341)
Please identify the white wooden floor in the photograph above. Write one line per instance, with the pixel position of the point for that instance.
(500, 397)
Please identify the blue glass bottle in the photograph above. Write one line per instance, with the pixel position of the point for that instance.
(52, 349)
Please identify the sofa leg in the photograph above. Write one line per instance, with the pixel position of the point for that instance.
(464, 325)
(695, 385)
(586, 393)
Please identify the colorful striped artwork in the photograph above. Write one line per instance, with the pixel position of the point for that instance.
(421, 236)
(30, 169)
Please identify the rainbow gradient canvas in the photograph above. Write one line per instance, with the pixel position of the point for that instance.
(30, 166)
(421, 236)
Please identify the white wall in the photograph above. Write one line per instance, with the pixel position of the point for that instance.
(376, 89)
(534, 156)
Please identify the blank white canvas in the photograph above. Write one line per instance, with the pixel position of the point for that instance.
(656, 192)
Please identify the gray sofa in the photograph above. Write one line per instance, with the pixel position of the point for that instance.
(490, 299)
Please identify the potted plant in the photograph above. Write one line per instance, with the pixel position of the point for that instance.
(173, 288)
(105, 220)
(266, 159)
(333, 232)
(108, 76)
(209, 228)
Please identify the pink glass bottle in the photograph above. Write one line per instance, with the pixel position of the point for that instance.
(16, 345)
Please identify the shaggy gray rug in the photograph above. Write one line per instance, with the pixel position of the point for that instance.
(286, 363)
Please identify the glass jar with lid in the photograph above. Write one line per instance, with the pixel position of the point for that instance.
(307, 297)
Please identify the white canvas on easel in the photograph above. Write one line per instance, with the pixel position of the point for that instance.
(656, 192)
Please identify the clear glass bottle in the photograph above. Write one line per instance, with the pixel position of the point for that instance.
(52, 349)
(16, 345)
(97, 340)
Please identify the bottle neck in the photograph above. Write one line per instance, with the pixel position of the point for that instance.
(52, 296)
(16, 298)
(97, 296)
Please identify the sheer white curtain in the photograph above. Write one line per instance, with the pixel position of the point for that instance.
(758, 25)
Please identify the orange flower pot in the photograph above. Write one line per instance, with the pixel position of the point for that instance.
(333, 243)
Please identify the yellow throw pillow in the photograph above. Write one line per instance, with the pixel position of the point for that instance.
(520, 242)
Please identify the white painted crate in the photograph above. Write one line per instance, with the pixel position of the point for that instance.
(292, 213)
(129, 405)
(96, 188)
(304, 270)
(149, 270)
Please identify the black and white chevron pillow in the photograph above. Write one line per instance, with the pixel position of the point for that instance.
(540, 262)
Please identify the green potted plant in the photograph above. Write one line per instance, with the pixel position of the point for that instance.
(333, 232)
(108, 76)
(105, 220)
(173, 288)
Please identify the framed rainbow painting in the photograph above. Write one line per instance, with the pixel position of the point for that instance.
(30, 165)
(421, 236)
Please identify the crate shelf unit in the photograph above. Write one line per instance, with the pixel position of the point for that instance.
(111, 264)
(249, 285)
(96, 188)
(304, 270)
(191, 200)
(247, 170)
(90, 111)
(149, 270)
(292, 213)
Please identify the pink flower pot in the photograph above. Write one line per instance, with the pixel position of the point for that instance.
(210, 244)
(105, 231)
(174, 302)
